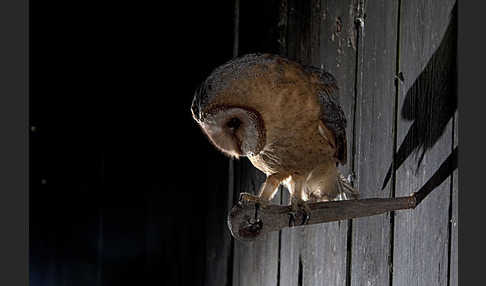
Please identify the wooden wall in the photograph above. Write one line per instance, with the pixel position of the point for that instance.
(395, 63)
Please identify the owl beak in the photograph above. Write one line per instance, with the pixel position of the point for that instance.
(223, 138)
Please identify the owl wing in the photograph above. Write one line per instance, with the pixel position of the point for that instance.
(332, 116)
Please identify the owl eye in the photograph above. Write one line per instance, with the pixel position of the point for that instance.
(233, 123)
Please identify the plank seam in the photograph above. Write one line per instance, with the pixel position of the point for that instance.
(231, 167)
(451, 197)
(284, 38)
(349, 244)
(395, 143)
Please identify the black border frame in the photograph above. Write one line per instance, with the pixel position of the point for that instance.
(14, 143)
(471, 65)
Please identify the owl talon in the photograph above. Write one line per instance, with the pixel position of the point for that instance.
(257, 207)
(292, 219)
(299, 208)
(259, 203)
(306, 218)
(248, 198)
(254, 226)
(293, 215)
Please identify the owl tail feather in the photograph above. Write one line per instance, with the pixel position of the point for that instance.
(346, 191)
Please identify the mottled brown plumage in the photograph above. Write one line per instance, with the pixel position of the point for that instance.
(284, 117)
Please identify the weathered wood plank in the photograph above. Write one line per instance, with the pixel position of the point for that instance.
(322, 35)
(290, 247)
(374, 137)
(324, 253)
(454, 245)
(453, 223)
(229, 241)
(218, 238)
(219, 253)
(298, 49)
(424, 138)
(255, 263)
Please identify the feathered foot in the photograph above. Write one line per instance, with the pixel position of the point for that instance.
(299, 209)
(255, 222)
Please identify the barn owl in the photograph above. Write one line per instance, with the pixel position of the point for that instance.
(285, 118)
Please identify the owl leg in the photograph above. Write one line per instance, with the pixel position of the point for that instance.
(267, 190)
(297, 201)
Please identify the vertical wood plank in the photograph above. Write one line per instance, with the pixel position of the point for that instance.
(298, 48)
(424, 138)
(316, 254)
(290, 247)
(454, 245)
(256, 262)
(324, 255)
(218, 237)
(374, 138)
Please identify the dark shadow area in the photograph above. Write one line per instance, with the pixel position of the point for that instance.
(430, 102)
(443, 172)
(259, 29)
(124, 189)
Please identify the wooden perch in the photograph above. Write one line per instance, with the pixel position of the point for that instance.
(247, 224)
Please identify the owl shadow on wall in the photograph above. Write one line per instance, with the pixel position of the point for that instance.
(431, 103)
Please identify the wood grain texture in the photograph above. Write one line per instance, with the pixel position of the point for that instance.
(381, 247)
(454, 220)
(421, 236)
(244, 226)
(376, 70)
(316, 254)
(255, 263)
(218, 251)
(324, 246)
(297, 41)
(290, 251)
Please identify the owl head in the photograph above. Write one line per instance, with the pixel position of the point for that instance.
(222, 108)
(235, 129)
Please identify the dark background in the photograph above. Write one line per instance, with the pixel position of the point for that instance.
(123, 183)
